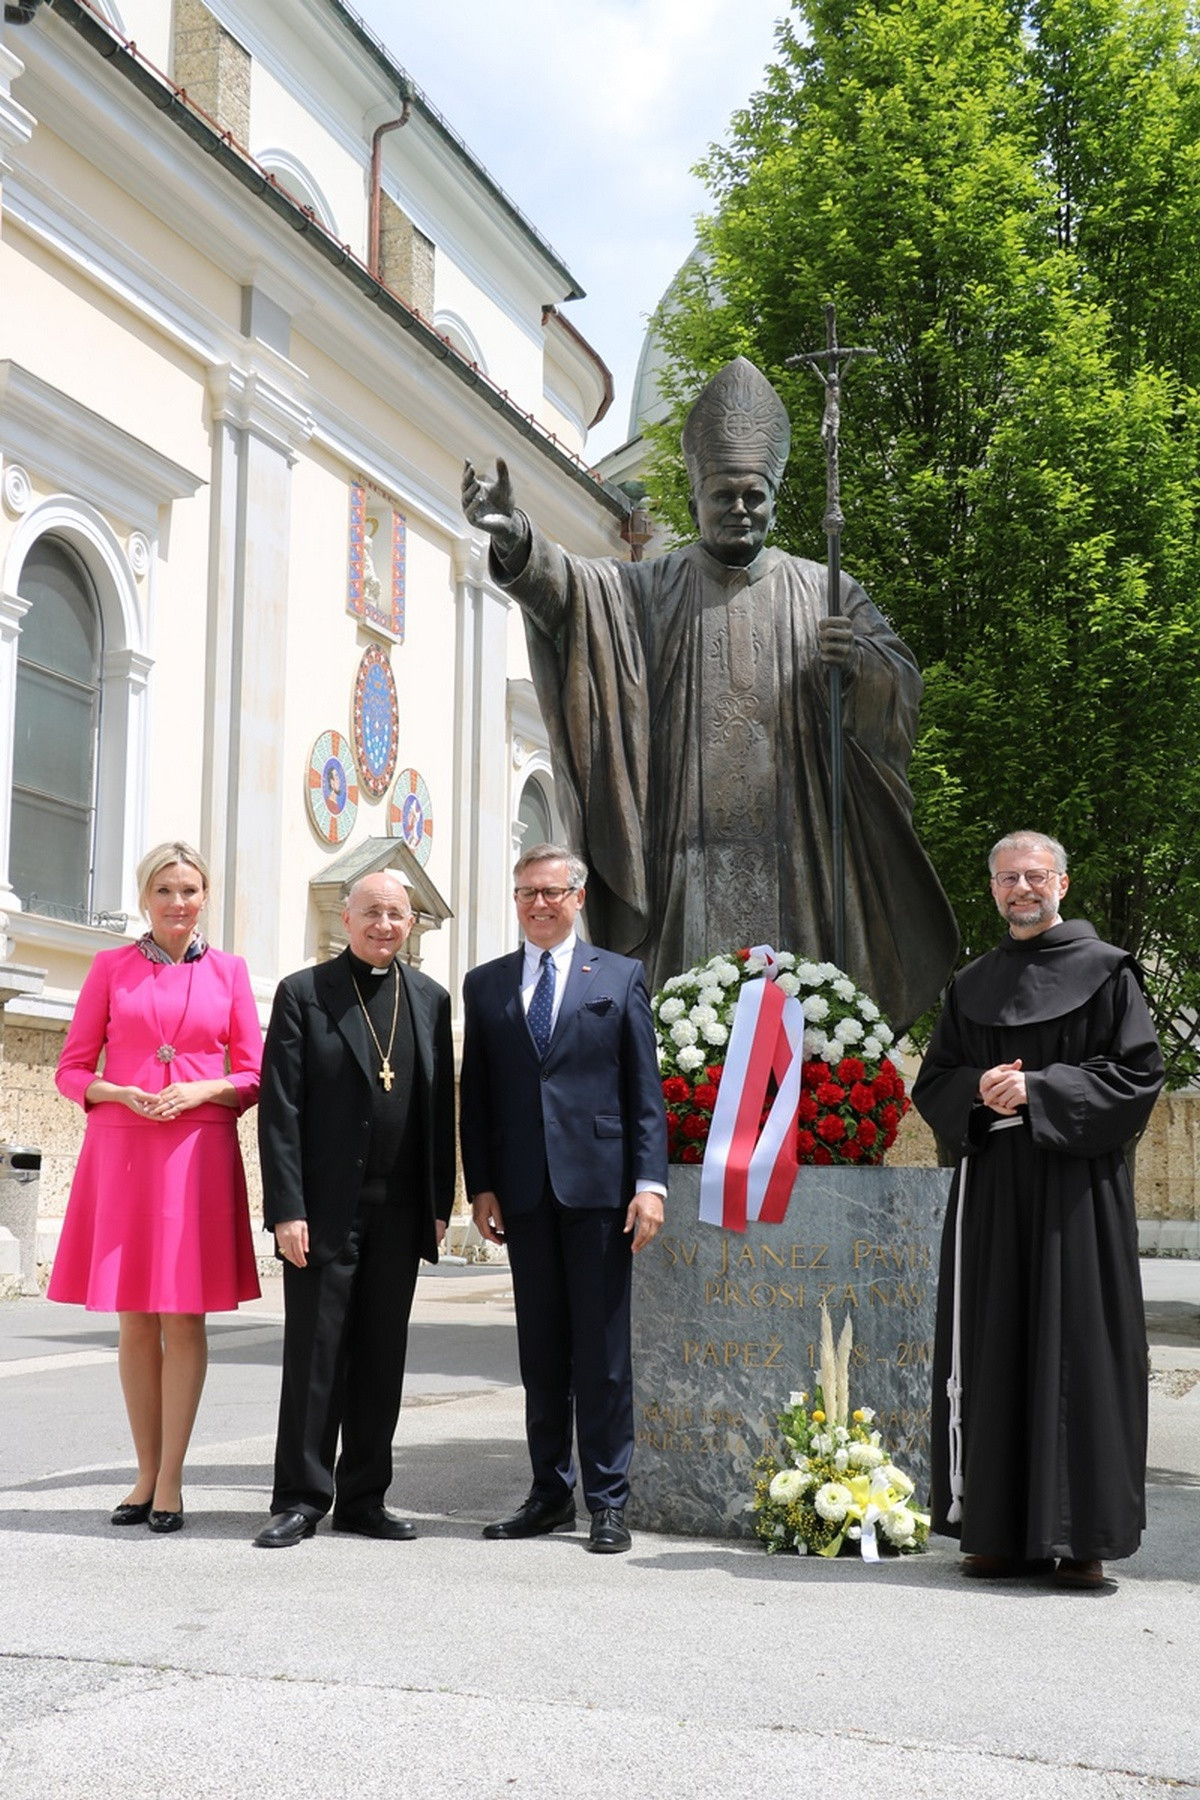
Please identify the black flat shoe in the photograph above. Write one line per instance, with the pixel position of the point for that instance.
(284, 1530)
(536, 1518)
(376, 1522)
(132, 1512)
(609, 1534)
(162, 1522)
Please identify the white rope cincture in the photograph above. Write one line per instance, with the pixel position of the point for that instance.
(954, 1387)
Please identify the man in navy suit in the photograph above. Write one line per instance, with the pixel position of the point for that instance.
(564, 1151)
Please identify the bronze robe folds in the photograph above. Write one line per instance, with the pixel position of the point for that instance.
(688, 715)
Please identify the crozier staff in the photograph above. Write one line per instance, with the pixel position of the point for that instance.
(157, 1226)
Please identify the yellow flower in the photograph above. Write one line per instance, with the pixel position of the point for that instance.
(818, 1417)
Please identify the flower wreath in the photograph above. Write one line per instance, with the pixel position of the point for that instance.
(852, 1097)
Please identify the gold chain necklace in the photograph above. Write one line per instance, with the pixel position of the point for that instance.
(386, 1073)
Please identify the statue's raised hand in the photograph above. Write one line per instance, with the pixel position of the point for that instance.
(489, 505)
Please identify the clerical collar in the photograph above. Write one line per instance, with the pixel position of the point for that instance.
(361, 970)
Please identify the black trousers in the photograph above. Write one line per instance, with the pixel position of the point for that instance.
(344, 1341)
(571, 1270)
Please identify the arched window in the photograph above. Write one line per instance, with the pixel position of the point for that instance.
(59, 661)
(534, 816)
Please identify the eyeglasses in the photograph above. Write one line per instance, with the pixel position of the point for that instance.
(1034, 878)
(551, 895)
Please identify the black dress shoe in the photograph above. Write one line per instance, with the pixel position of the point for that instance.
(284, 1530)
(609, 1534)
(132, 1512)
(534, 1519)
(376, 1522)
(162, 1522)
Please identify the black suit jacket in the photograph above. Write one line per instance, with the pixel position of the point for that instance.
(314, 1109)
(591, 1116)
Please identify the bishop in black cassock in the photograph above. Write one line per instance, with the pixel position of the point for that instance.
(1043, 1069)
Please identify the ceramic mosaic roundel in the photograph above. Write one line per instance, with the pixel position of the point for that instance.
(332, 791)
(410, 814)
(376, 722)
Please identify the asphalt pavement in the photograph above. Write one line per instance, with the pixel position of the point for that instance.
(196, 1666)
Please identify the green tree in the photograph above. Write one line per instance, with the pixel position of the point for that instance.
(1005, 204)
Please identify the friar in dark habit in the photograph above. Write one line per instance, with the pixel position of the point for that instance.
(1043, 1068)
(686, 700)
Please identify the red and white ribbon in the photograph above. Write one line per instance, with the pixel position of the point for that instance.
(747, 1176)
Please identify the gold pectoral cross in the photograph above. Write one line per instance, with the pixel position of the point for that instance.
(386, 1075)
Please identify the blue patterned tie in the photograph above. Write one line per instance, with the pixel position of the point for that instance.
(541, 1007)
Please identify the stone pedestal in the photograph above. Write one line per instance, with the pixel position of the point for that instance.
(726, 1324)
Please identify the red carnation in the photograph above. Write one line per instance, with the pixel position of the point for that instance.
(814, 1073)
(822, 1156)
(868, 1131)
(807, 1108)
(705, 1094)
(852, 1152)
(831, 1129)
(830, 1094)
(742, 955)
(862, 1097)
(889, 1068)
(889, 1137)
(714, 1073)
(806, 1143)
(692, 1153)
(850, 1069)
(676, 1090)
(884, 1085)
(889, 1117)
(695, 1127)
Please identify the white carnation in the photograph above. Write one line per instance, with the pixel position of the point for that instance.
(828, 971)
(845, 988)
(884, 1033)
(816, 1008)
(808, 974)
(785, 960)
(670, 1010)
(787, 984)
(848, 1031)
(865, 1456)
(711, 996)
(713, 1032)
(899, 1525)
(833, 1501)
(690, 1058)
(683, 1032)
(727, 973)
(872, 1049)
(815, 1044)
(702, 1015)
(867, 1009)
(754, 965)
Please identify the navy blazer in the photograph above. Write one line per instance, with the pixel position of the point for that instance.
(590, 1117)
(314, 1111)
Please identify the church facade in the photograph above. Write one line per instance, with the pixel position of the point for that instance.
(258, 301)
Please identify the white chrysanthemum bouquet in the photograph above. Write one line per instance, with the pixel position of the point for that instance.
(837, 1484)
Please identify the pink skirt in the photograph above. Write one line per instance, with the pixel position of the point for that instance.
(158, 1219)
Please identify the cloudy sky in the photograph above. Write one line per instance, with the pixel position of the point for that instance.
(591, 114)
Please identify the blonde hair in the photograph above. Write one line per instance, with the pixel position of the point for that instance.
(165, 856)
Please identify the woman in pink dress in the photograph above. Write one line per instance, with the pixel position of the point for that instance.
(158, 1226)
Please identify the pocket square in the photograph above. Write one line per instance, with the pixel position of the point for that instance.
(601, 1004)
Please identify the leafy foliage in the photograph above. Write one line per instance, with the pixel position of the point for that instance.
(1004, 202)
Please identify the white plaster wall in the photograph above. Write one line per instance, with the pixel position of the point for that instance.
(512, 348)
